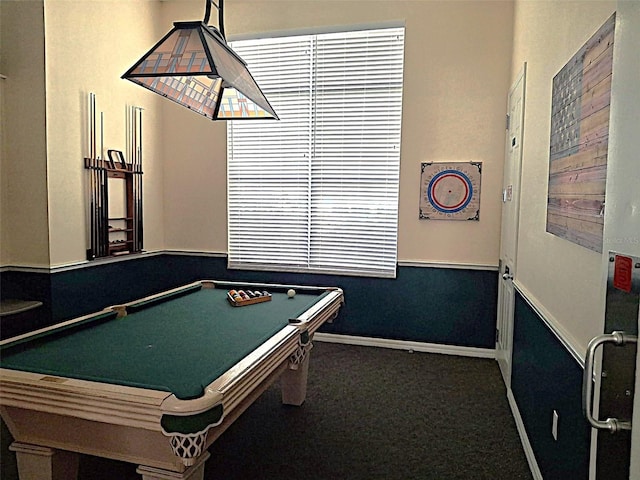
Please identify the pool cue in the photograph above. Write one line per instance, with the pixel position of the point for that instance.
(104, 218)
(88, 164)
(90, 187)
(130, 135)
(105, 210)
(96, 173)
(134, 162)
(102, 136)
(127, 154)
(101, 225)
(132, 156)
(139, 182)
(94, 179)
(134, 166)
(100, 186)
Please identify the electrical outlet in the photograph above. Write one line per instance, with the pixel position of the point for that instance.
(554, 425)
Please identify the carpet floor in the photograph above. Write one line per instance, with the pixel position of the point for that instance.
(370, 413)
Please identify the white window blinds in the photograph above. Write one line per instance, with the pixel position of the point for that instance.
(318, 190)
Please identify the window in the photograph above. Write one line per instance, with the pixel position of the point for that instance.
(317, 191)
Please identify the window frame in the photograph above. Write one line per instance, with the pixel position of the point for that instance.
(371, 271)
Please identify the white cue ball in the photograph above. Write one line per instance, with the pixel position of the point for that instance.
(291, 293)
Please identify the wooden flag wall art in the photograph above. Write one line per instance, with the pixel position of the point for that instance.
(579, 141)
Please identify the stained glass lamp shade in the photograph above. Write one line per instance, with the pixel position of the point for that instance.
(193, 66)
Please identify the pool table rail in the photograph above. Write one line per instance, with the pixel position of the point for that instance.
(9, 342)
(95, 401)
(122, 309)
(326, 310)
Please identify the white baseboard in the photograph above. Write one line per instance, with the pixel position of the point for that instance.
(528, 451)
(406, 345)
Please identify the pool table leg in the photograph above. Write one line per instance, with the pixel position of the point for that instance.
(44, 463)
(294, 379)
(195, 472)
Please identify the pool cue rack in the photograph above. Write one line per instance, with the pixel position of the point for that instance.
(122, 234)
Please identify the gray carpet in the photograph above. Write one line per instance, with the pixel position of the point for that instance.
(370, 413)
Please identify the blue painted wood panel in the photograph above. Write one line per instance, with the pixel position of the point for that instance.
(433, 305)
(545, 377)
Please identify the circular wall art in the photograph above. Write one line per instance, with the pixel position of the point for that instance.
(450, 191)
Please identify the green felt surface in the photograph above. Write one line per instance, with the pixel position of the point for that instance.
(178, 346)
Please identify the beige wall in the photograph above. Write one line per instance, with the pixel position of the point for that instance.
(562, 278)
(456, 79)
(457, 60)
(74, 47)
(89, 45)
(25, 237)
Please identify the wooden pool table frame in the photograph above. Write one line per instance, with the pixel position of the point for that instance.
(53, 419)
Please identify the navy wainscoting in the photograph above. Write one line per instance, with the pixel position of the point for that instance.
(447, 306)
(546, 377)
(22, 285)
(432, 305)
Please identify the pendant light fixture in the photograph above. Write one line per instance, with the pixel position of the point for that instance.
(193, 66)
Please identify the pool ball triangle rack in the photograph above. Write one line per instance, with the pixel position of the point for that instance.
(240, 298)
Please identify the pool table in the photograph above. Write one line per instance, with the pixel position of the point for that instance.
(155, 381)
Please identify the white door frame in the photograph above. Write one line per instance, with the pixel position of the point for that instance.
(510, 221)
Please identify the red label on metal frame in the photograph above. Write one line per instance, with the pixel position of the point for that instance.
(622, 273)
